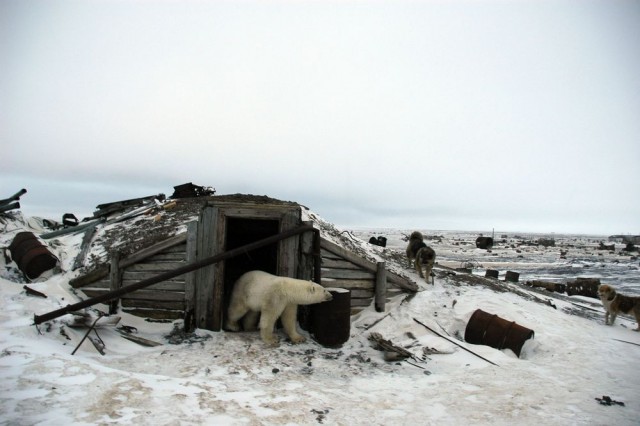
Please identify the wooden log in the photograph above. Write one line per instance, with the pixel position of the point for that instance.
(381, 287)
(33, 292)
(115, 277)
(190, 278)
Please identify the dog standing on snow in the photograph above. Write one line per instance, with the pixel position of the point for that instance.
(420, 255)
(615, 303)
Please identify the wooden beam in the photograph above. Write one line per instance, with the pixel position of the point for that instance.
(381, 287)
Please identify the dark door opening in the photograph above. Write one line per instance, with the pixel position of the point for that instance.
(241, 231)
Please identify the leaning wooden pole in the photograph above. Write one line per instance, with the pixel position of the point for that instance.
(457, 344)
(38, 319)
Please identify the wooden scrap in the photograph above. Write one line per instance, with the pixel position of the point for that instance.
(137, 339)
(393, 352)
(32, 292)
(86, 319)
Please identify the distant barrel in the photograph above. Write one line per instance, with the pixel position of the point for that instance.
(491, 273)
(488, 329)
(331, 320)
(32, 257)
(512, 276)
(484, 242)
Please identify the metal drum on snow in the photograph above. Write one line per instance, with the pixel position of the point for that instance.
(32, 257)
(331, 320)
(484, 242)
(488, 329)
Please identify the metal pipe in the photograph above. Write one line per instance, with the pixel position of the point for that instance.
(38, 319)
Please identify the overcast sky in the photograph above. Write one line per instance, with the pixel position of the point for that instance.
(453, 115)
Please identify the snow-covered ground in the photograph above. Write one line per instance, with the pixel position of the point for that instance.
(223, 378)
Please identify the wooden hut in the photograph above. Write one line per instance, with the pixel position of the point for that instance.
(225, 225)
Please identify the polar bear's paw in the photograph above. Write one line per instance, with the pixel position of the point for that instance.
(272, 343)
(298, 339)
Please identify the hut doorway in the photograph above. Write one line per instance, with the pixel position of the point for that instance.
(242, 231)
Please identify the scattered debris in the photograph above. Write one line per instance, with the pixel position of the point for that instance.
(11, 203)
(391, 351)
(606, 400)
(137, 339)
(189, 190)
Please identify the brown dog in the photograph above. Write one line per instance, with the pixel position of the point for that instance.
(615, 303)
(420, 255)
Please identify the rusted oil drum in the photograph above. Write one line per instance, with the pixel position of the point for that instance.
(331, 321)
(491, 273)
(32, 257)
(512, 277)
(484, 242)
(489, 329)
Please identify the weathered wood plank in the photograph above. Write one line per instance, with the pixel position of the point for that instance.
(155, 266)
(115, 277)
(167, 257)
(348, 284)
(139, 276)
(391, 277)
(155, 313)
(190, 278)
(362, 294)
(155, 295)
(360, 302)
(347, 274)
(153, 304)
(381, 287)
(288, 248)
(92, 276)
(205, 277)
(338, 264)
(326, 254)
(150, 251)
(163, 286)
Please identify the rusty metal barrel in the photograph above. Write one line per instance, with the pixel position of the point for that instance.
(512, 276)
(488, 329)
(484, 242)
(331, 320)
(491, 273)
(32, 257)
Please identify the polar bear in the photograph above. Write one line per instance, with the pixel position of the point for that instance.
(273, 297)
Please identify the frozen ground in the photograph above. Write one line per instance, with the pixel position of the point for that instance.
(223, 378)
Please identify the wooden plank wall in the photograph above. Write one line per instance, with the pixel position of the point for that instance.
(344, 269)
(165, 300)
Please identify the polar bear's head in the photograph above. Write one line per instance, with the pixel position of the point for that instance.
(319, 294)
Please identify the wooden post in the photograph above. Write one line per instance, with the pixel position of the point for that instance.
(381, 287)
(115, 278)
(190, 278)
(205, 282)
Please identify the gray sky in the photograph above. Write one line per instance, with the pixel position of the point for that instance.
(461, 115)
